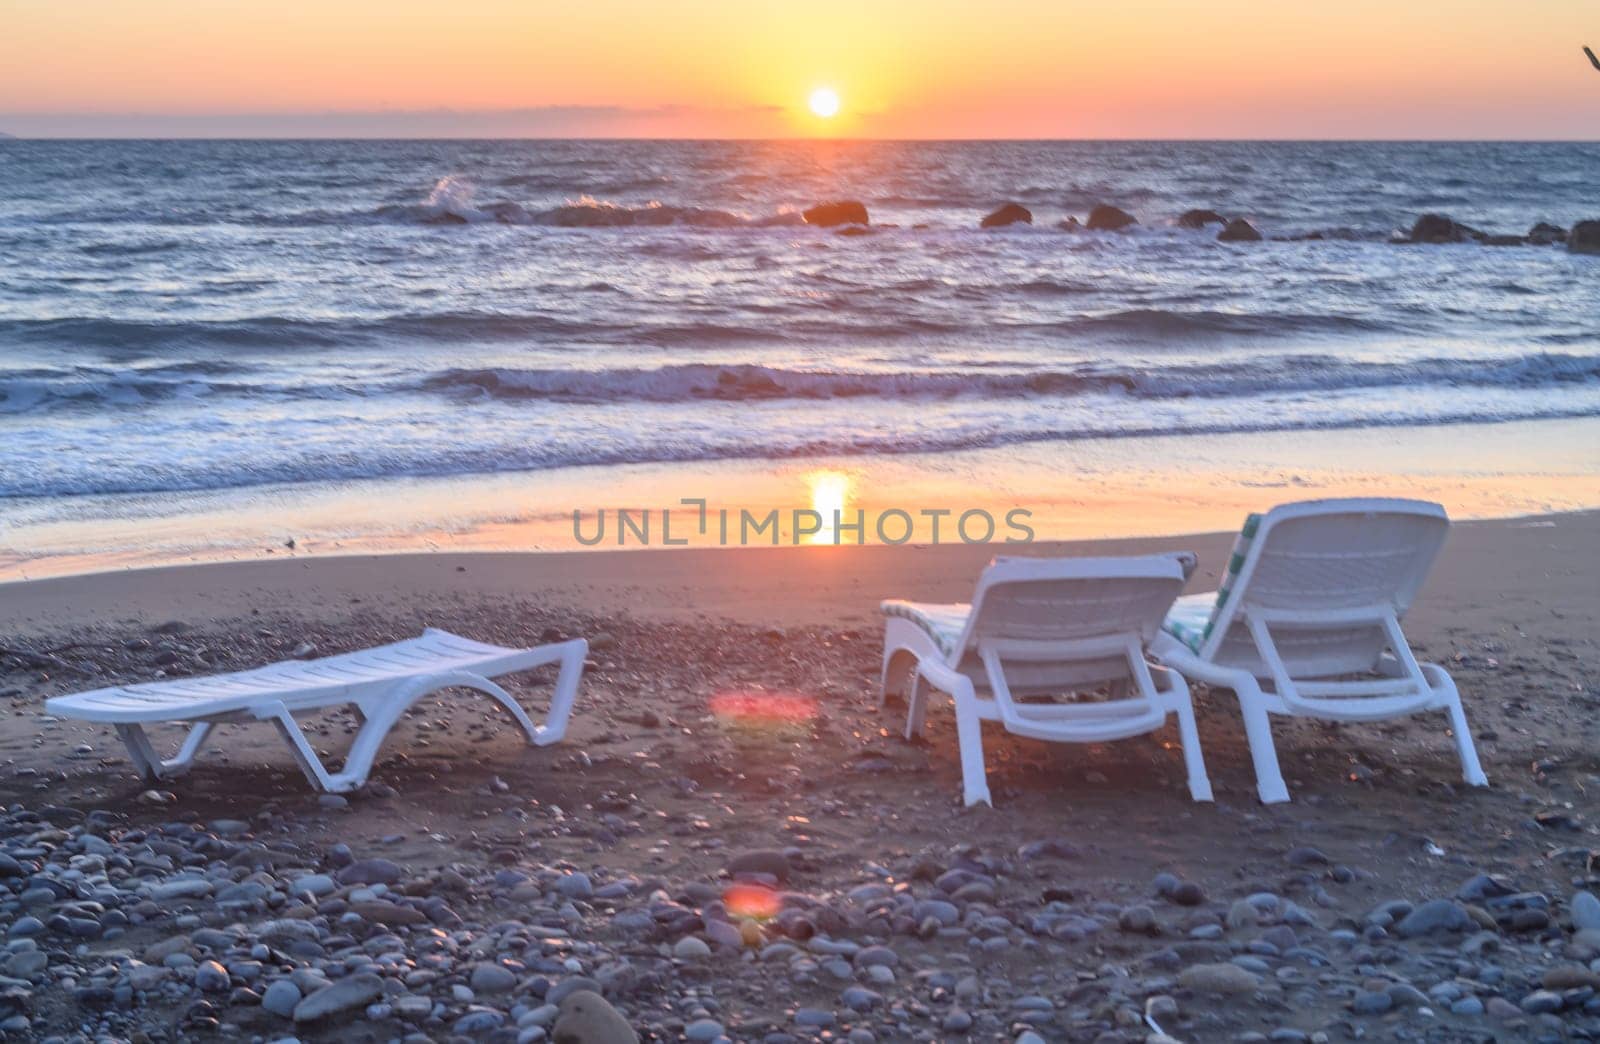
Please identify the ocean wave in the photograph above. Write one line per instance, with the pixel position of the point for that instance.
(44, 391)
(672, 384)
(850, 316)
(278, 332)
(186, 472)
(453, 201)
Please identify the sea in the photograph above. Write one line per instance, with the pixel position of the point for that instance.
(205, 318)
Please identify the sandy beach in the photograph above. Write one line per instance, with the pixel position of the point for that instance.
(677, 769)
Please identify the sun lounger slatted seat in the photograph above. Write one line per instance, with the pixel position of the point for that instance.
(381, 683)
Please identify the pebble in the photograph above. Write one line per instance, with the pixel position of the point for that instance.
(1140, 920)
(1438, 915)
(1540, 1002)
(769, 863)
(1305, 855)
(858, 998)
(211, 977)
(281, 998)
(356, 991)
(1585, 912)
(588, 1018)
(575, 886)
(1372, 1002)
(690, 948)
(1218, 978)
(492, 978)
(957, 1021)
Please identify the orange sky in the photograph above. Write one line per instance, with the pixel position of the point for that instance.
(743, 68)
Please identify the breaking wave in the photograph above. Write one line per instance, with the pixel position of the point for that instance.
(47, 390)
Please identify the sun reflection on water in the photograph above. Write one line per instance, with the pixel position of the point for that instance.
(830, 492)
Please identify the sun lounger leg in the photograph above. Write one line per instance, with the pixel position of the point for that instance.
(1471, 771)
(191, 746)
(145, 760)
(1194, 762)
(304, 756)
(1258, 731)
(917, 706)
(883, 674)
(969, 732)
(572, 655)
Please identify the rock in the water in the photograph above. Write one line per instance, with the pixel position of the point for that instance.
(844, 212)
(1010, 214)
(1109, 218)
(347, 994)
(1438, 228)
(1584, 238)
(1200, 219)
(1239, 231)
(1437, 915)
(588, 1018)
(1545, 234)
(1218, 978)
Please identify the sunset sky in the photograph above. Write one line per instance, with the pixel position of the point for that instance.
(744, 68)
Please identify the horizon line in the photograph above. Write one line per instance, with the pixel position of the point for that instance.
(802, 138)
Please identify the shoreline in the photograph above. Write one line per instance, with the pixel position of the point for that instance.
(1109, 489)
(804, 585)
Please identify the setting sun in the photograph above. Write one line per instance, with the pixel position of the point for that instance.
(825, 102)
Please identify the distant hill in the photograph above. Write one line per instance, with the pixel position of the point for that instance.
(7, 137)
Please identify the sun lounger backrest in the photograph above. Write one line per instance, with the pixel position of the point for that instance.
(1067, 599)
(1319, 556)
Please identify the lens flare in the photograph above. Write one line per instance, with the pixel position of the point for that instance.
(751, 900)
(763, 709)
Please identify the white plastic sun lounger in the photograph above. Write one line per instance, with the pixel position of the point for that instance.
(381, 683)
(1307, 622)
(1045, 626)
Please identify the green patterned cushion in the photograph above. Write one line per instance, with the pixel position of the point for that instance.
(1193, 616)
(944, 623)
(1188, 617)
